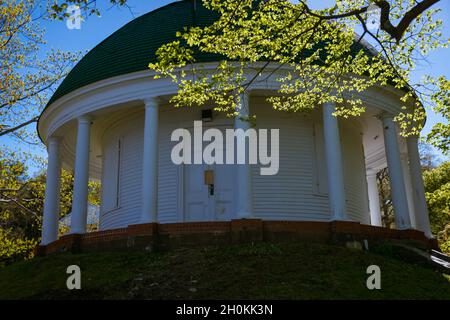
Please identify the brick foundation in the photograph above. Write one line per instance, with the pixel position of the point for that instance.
(155, 236)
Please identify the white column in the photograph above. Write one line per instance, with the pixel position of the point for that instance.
(408, 188)
(333, 155)
(244, 172)
(398, 191)
(52, 190)
(81, 179)
(421, 210)
(374, 198)
(150, 163)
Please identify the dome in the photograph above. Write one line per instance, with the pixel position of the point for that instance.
(133, 47)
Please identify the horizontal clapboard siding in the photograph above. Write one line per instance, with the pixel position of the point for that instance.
(168, 178)
(130, 180)
(289, 194)
(292, 194)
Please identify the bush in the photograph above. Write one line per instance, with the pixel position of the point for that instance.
(444, 239)
(437, 192)
(14, 249)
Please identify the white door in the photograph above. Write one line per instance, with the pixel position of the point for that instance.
(204, 202)
(197, 201)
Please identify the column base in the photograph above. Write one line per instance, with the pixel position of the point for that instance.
(45, 243)
(245, 215)
(75, 232)
(147, 221)
(345, 219)
(410, 228)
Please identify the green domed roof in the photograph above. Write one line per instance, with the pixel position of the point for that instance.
(133, 47)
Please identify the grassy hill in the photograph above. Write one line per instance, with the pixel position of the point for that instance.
(263, 271)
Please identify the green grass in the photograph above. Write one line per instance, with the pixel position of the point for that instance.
(263, 271)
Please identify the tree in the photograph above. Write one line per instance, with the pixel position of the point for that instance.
(26, 80)
(22, 203)
(384, 189)
(437, 188)
(89, 7)
(428, 158)
(22, 198)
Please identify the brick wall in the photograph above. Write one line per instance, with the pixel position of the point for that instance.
(154, 236)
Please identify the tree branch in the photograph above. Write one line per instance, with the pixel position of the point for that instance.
(24, 124)
(396, 32)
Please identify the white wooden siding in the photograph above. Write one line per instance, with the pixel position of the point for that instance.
(129, 210)
(289, 195)
(292, 194)
(112, 165)
(168, 179)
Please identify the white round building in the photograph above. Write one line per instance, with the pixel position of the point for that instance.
(110, 120)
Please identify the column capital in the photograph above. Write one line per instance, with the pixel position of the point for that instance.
(245, 95)
(151, 102)
(84, 119)
(244, 106)
(413, 138)
(53, 140)
(371, 172)
(328, 108)
(387, 116)
(329, 103)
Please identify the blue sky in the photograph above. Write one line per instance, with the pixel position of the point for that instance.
(95, 29)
